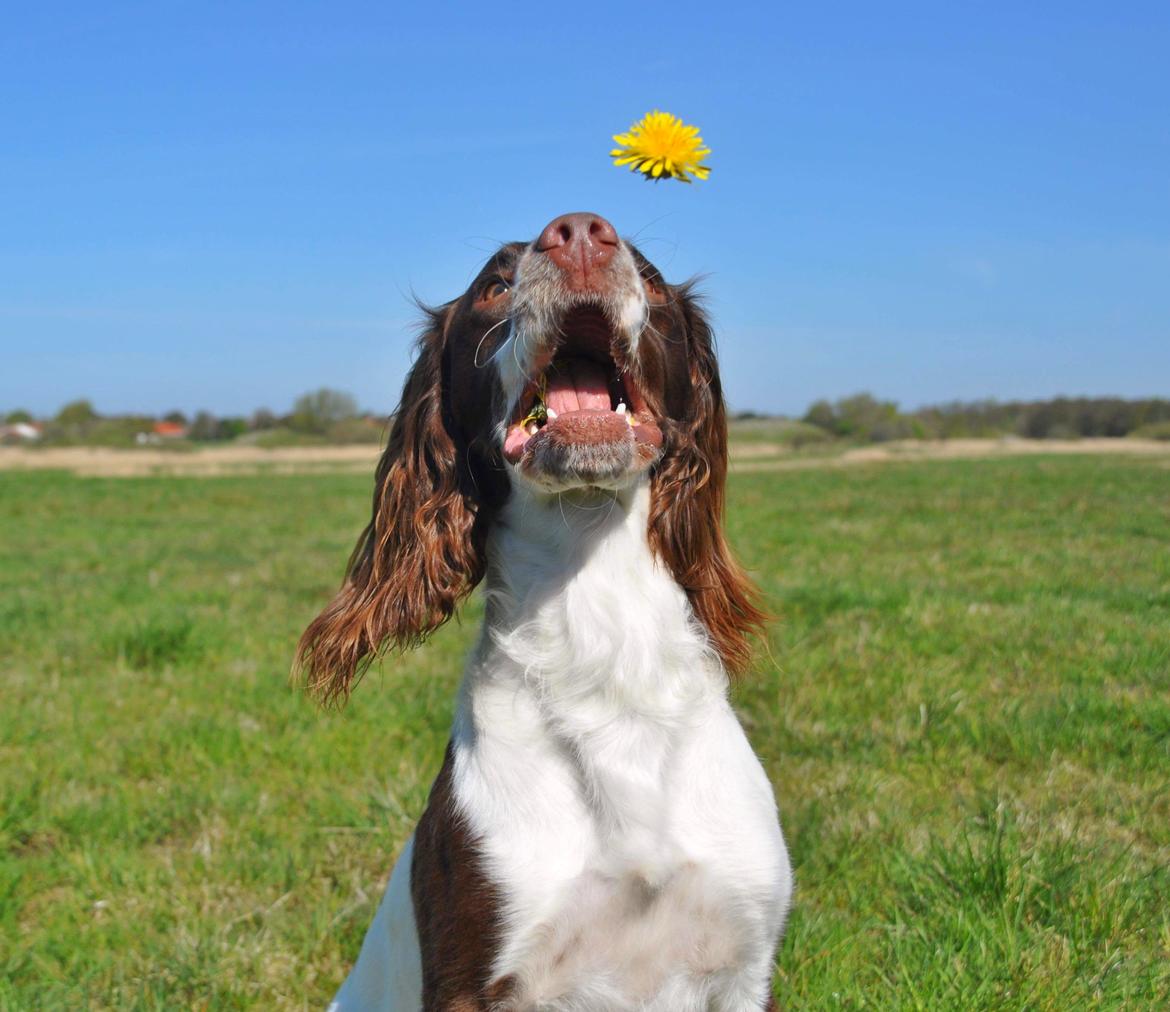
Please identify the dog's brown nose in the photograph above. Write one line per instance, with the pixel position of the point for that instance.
(578, 244)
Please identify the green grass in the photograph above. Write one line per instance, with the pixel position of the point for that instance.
(964, 706)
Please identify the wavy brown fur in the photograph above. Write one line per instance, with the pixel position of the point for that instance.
(421, 553)
(686, 508)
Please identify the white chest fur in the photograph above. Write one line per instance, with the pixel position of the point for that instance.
(631, 830)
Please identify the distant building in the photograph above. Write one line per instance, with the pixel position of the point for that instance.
(20, 432)
(161, 432)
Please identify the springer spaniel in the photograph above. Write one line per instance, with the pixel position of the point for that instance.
(600, 835)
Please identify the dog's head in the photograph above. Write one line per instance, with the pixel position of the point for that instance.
(569, 363)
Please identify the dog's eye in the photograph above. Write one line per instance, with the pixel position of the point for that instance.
(654, 291)
(494, 290)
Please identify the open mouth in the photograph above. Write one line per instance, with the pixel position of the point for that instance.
(581, 395)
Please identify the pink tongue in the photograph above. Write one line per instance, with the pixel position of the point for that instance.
(575, 385)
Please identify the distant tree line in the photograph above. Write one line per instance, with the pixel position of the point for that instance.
(327, 415)
(862, 417)
(323, 415)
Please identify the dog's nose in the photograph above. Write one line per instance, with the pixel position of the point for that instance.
(578, 244)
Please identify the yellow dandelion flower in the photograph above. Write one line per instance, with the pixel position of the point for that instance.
(662, 146)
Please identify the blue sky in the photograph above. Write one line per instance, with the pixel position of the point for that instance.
(220, 206)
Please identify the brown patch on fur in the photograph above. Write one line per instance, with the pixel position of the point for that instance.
(686, 509)
(422, 551)
(456, 907)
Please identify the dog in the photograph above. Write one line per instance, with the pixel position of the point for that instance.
(600, 835)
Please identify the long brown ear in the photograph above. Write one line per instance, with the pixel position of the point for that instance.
(686, 510)
(421, 552)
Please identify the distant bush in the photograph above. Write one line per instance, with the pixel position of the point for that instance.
(76, 414)
(274, 439)
(1155, 430)
(230, 428)
(1058, 418)
(864, 418)
(122, 430)
(116, 431)
(76, 422)
(262, 419)
(203, 428)
(822, 415)
(752, 428)
(800, 434)
(346, 432)
(206, 428)
(357, 430)
(318, 411)
(861, 417)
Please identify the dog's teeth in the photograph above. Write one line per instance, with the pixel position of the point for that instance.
(532, 429)
(621, 408)
(551, 415)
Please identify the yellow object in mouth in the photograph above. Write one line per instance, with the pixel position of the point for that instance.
(538, 413)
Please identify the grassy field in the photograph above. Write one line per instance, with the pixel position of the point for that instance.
(964, 706)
